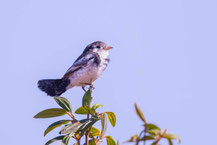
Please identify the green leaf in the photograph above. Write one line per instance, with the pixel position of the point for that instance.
(48, 113)
(104, 125)
(86, 99)
(84, 121)
(81, 110)
(71, 128)
(94, 107)
(83, 128)
(55, 139)
(140, 114)
(133, 138)
(91, 135)
(151, 126)
(172, 136)
(95, 131)
(95, 117)
(170, 142)
(110, 140)
(154, 143)
(64, 103)
(154, 131)
(55, 125)
(148, 138)
(112, 118)
(86, 126)
(65, 140)
(91, 142)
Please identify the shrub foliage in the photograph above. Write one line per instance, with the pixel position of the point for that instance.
(73, 128)
(76, 129)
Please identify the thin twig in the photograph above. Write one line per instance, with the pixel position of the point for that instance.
(72, 116)
(79, 143)
(87, 133)
(160, 136)
(144, 135)
(88, 117)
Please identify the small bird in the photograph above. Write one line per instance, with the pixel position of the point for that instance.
(84, 71)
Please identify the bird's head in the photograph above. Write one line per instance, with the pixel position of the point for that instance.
(97, 47)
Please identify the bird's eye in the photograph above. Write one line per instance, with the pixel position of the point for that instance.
(98, 47)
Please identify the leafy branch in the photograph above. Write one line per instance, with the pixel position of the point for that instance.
(77, 129)
(84, 128)
(151, 132)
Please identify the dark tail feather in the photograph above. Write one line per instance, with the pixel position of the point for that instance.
(53, 87)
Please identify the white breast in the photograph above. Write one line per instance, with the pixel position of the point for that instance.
(88, 74)
(104, 61)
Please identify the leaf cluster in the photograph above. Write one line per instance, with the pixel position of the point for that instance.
(76, 129)
(151, 132)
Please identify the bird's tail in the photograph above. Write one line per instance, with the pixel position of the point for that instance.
(53, 87)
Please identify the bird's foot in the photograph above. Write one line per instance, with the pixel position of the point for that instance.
(83, 88)
(90, 87)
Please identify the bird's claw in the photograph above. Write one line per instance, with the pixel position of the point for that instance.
(83, 88)
(90, 87)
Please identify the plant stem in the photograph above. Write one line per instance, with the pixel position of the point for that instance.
(88, 117)
(71, 115)
(98, 142)
(79, 143)
(160, 136)
(87, 132)
(144, 135)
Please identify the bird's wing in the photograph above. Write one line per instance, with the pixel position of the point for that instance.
(80, 62)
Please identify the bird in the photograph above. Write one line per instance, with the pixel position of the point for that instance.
(84, 71)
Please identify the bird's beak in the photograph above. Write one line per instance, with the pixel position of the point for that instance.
(108, 48)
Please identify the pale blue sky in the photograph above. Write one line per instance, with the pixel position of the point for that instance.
(164, 58)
